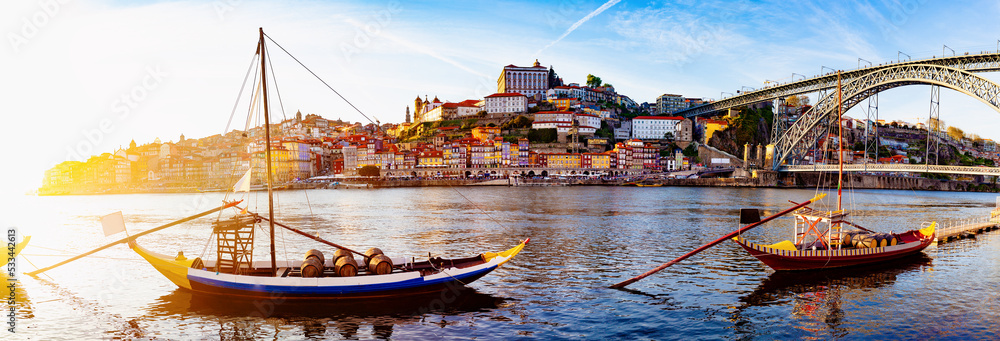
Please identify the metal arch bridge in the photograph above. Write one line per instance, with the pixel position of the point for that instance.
(955, 72)
(966, 170)
(985, 62)
(805, 132)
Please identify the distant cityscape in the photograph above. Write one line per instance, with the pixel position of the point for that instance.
(534, 123)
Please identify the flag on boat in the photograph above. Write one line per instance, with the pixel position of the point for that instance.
(244, 184)
(113, 223)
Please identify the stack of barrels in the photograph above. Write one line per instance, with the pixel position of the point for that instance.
(313, 264)
(862, 239)
(344, 264)
(378, 263)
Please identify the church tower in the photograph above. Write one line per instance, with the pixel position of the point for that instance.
(407, 114)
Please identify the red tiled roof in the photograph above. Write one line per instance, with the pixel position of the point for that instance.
(675, 118)
(505, 94)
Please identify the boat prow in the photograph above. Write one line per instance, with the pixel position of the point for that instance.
(407, 278)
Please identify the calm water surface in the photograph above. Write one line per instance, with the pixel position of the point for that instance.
(582, 239)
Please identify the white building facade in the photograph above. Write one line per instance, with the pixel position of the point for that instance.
(655, 127)
(509, 103)
(529, 81)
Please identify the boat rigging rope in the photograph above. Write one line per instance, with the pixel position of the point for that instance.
(253, 61)
(274, 81)
(477, 207)
(431, 262)
(322, 81)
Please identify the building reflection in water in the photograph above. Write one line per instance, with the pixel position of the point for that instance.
(817, 296)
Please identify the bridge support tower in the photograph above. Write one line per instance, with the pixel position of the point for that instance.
(935, 121)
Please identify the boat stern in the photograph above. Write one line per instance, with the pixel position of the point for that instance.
(928, 232)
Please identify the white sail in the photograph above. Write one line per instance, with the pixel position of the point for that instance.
(244, 184)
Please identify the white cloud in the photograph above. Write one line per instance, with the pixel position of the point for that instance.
(666, 35)
(580, 22)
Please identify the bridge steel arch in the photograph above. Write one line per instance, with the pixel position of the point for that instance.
(806, 131)
(984, 62)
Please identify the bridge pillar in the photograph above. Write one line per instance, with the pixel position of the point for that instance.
(769, 156)
(935, 120)
(871, 131)
(746, 155)
(759, 156)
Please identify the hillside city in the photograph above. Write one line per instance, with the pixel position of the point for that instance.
(534, 125)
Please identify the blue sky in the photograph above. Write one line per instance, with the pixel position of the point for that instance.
(68, 65)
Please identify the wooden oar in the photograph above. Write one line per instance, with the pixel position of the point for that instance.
(126, 239)
(717, 241)
(316, 238)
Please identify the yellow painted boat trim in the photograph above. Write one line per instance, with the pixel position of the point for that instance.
(928, 231)
(506, 255)
(20, 246)
(176, 269)
(786, 245)
(783, 245)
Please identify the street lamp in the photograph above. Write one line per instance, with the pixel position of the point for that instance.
(723, 93)
(794, 74)
(866, 61)
(824, 67)
(747, 87)
(946, 47)
(908, 58)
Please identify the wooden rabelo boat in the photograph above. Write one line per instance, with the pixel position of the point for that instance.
(820, 244)
(340, 274)
(823, 239)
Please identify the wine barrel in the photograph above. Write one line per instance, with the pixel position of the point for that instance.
(862, 241)
(341, 253)
(372, 252)
(312, 268)
(315, 254)
(346, 266)
(380, 265)
(893, 240)
(846, 239)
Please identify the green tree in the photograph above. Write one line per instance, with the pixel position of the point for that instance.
(935, 124)
(547, 135)
(955, 133)
(692, 152)
(593, 81)
(369, 170)
(517, 123)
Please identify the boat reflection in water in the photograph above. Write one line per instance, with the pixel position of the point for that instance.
(817, 296)
(254, 319)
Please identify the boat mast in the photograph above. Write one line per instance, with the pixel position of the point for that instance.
(840, 142)
(267, 149)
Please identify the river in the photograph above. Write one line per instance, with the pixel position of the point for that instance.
(582, 240)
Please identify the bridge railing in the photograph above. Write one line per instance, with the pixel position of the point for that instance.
(895, 167)
(953, 227)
